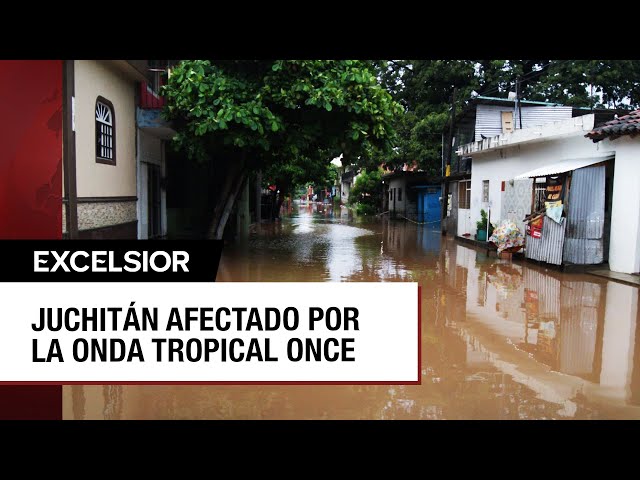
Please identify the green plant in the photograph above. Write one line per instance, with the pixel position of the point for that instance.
(368, 189)
(365, 209)
(482, 223)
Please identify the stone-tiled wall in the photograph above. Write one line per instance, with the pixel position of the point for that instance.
(101, 214)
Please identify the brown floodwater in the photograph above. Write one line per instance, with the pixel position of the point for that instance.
(500, 339)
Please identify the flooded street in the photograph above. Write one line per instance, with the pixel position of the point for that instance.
(500, 339)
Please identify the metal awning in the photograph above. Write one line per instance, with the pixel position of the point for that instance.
(565, 166)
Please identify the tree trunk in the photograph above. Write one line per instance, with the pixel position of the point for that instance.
(228, 207)
(280, 201)
(259, 196)
(225, 200)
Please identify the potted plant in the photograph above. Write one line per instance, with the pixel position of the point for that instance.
(481, 227)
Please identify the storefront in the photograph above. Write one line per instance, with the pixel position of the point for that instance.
(570, 214)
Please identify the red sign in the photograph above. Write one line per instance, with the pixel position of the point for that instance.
(31, 160)
(31, 190)
(534, 227)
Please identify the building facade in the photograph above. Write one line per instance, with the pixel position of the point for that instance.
(114, 159)
(621, 135)
(414, 196)
(485, 118)
(154, 134)
(511, 173)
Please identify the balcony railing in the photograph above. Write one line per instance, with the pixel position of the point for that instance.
(150, 98)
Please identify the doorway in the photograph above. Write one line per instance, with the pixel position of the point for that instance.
(154, 201)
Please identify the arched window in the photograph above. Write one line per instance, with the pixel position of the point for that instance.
(105, 132)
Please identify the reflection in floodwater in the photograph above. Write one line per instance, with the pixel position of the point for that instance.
(500, 339)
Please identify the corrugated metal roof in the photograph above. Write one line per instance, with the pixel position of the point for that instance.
(489, 118)
(564, 166)
(538, 116)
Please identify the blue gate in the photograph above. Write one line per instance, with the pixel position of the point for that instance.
(429, 208)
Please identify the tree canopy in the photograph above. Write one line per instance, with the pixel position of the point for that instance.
(246, 115)
(280, 108)
(424, 88)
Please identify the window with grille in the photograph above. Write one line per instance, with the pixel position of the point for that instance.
(464, 194)
(485, 191)
(540, 190)
(105, 132)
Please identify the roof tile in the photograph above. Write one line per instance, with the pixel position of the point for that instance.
(626, 125)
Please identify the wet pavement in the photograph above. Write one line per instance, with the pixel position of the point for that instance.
(500, 339)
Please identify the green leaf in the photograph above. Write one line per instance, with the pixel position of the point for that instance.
(328, 106)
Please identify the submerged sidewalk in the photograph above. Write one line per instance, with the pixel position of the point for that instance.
(597, 270)
(627, 278)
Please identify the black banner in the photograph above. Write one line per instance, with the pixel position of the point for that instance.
(555, 189)
(109, 260)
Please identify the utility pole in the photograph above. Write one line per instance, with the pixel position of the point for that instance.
(451, 127)
(447, 163)
(518, 102)
(258, 190)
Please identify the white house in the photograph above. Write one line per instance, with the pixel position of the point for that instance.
(621, 135)
(507, 167)
(484, 118)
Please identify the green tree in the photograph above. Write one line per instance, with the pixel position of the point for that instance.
(244, 115)
(425, 87)
(591, 83)
(367, 191)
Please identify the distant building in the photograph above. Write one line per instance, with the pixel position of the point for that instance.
(347, 181)
(413, 195)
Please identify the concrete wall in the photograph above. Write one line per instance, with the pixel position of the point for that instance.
(618, 339)
(92, 79)
(624, 246)
(400, 205)
(507, 163)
